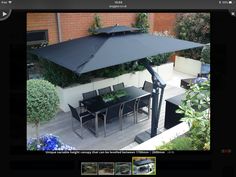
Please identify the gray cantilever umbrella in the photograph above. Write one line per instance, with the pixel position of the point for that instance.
(112, 46)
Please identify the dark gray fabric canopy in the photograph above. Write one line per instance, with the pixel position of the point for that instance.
(112, 48)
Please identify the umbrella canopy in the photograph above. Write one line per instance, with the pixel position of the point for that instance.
(110, 46)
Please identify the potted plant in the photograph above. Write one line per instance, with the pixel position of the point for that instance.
(42, 105)
(108, 97)
(205, 59)
(114, 95)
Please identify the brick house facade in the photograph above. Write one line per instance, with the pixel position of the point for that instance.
(74, 25)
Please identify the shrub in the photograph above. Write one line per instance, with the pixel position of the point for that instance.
(142, 22)
(196, 110)
(42, 102)
(112, 71)
(96, 25)
(60, 76)
(193, 27)
(160, 59)
(180, 143)
(205, 54)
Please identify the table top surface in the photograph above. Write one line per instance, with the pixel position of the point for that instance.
(189, 80)
(96, 104)
(176, 99)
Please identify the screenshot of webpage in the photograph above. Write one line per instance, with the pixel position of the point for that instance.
(118, 87)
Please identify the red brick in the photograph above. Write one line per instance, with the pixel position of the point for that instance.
(74, 25)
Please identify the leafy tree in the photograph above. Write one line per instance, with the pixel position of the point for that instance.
(42, 102)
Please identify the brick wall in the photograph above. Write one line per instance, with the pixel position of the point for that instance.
(164, 22)
(43, 21)
(74, 25)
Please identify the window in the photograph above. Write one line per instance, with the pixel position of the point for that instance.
(37, 37)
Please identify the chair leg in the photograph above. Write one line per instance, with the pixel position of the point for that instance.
(81, 127)
(74, 130)
(149, 111)
(105, 127)
(134, 113)
(120, 121)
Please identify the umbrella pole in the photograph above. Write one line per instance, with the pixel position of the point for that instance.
(158, 84)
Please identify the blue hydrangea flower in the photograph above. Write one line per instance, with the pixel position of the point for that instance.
(47, 143)
(199, 80)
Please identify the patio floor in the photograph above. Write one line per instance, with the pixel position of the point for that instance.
(61, 126)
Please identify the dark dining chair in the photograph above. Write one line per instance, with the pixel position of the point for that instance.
(128, 108)
(147, 86)
(82, 118)
(90, 94)
(104, 91)
(119, 86)
(86, 96)
(111, 115)
(143, 102)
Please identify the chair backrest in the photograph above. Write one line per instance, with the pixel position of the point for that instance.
(74, 112)
(128, 106)
(90, 94)
(104, 90)
(148, 86)
(118, 86)
(113, 111)
(144, 101)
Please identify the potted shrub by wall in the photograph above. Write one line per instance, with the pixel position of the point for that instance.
(42, 105)
(205, 59)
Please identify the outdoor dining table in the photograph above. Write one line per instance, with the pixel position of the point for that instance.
(97, 105)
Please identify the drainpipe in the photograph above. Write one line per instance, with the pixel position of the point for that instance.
(58, 20)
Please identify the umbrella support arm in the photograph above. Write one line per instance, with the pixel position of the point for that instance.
(158, 84)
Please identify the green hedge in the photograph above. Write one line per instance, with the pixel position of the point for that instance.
(193, 27)
(61, 76)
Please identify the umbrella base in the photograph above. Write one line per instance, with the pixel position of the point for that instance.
(144, 136)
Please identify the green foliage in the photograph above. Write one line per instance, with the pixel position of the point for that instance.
(60, 76)
(160, 59)
(109, 72)
(193, 27)
(142, 22)
(196, 110)
(205, 54)
(114, 95)
(42, 101)
(96, 25)
(118, 70)
(180, 143)
(35, 68)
